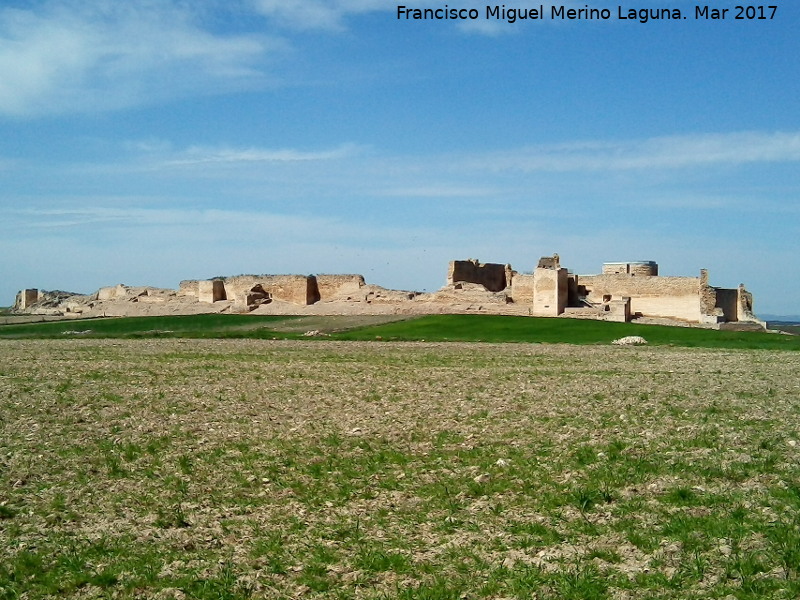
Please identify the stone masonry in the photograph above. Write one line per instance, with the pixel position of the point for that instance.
(621, 292)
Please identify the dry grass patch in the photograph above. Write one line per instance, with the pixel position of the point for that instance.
(276, 469)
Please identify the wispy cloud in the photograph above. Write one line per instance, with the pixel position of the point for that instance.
(228, 227)
(66, 56)
(317, 14)
(332, 15)
(694, 172)
(205, 155)
(431, 174)
(185, 218)
(669, 152)
(84, 56)
(443, 191)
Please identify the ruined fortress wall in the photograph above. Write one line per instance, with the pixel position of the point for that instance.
(211, 291)
(676, 297)
(728, 301)
(549, 292)
(642, 268)
(188, 287)
(26, 298)
(492, 276)
(107, 293)
(297, 289)
(686, 308)
(333, 287)
(745, 306)
(522, 288)
(112, 293)
(708, 297)
(618, 310)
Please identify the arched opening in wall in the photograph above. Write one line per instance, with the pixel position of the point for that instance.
(606, 298)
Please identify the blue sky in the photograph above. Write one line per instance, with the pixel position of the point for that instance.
(149, 141)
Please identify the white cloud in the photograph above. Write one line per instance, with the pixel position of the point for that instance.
(669, 152)
(443, 191)
(463, 175)
(317, 14)
(331, 15)
(63, 56)
(205, 155)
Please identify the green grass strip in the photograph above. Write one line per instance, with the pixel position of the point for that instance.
(432, 328)
(490, 328)
(193, 326)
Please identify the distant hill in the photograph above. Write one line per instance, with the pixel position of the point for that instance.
(781, 318)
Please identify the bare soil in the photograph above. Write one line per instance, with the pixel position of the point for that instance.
(277, 469)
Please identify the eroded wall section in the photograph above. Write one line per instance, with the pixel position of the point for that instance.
(494, 277)
(338, 287)
(673, 297)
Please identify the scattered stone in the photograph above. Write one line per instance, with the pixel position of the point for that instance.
(316, 333)
(631, 340)
(482, 478)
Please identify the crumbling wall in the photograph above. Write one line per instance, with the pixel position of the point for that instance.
(112, 292)
(550, 287)
(550, 291)
(709, 305)
(494, 277)
(26, 298)
(746, 312)
(188, 287)
(48, 302)
(251, 299)
(672, 297)
(638, 268)
(618, 310)
(338, 287)
(297, 289)
(727, 300)
(522, 288)
(211, 290)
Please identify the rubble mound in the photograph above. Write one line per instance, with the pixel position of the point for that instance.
(631, 340)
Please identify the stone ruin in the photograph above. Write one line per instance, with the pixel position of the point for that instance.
(248, 292)
(623, 291)
(493, 277)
